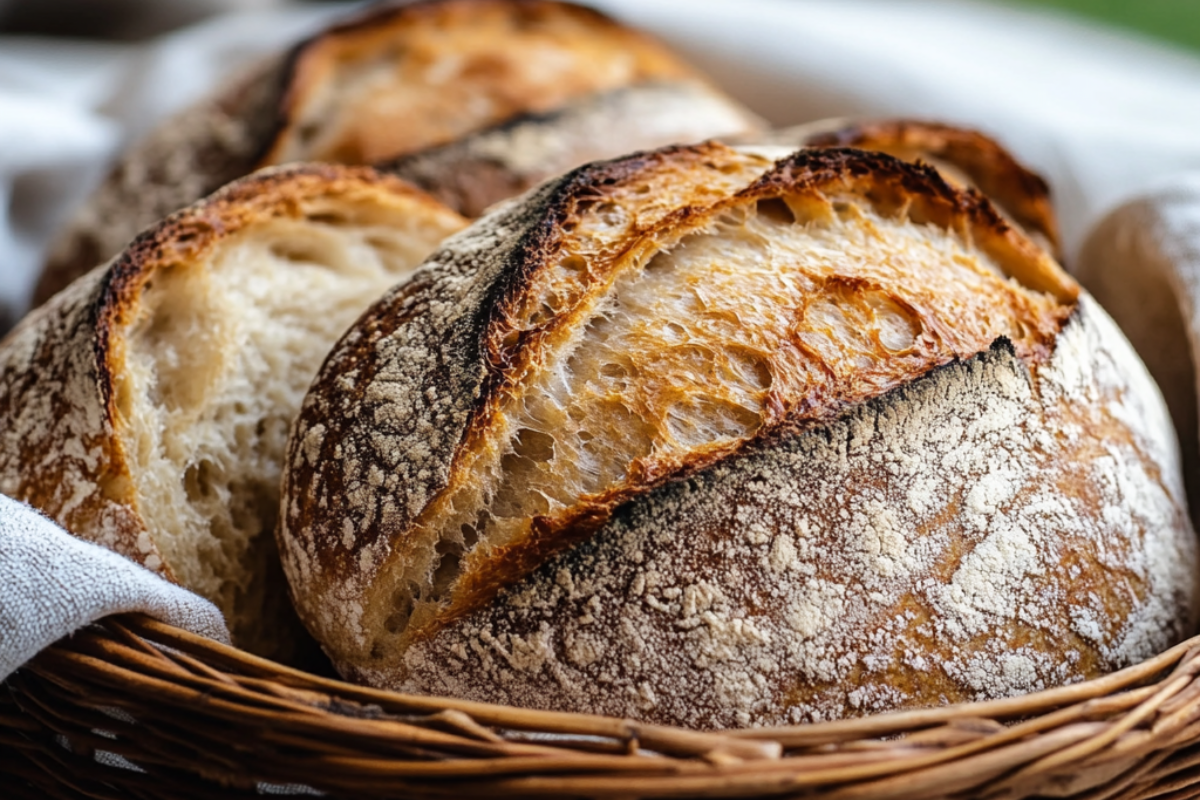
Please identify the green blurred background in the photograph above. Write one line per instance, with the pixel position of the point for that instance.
(1175, 21)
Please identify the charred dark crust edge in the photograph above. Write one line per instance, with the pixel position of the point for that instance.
(813, 169)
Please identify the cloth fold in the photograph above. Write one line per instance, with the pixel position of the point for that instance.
(52, 584)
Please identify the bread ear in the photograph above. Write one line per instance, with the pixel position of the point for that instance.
(146, 408)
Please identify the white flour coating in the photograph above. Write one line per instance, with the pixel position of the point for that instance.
(969, 536)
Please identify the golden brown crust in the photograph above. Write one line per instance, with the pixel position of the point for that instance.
(416, 76)
(959, 152)
(987, 490)
(499, 44)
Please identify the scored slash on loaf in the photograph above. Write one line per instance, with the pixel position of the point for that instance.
(704, 439)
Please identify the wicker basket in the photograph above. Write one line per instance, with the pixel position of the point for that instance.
(202, 720)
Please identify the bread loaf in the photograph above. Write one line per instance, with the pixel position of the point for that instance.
(700, 439)
(395, 80)
(505, 160)
(146, 407)
(964, 158)
(1142, 263)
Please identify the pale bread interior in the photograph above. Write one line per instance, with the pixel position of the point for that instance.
(217, 363)
(687, 352)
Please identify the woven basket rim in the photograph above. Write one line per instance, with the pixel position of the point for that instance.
(204, 719)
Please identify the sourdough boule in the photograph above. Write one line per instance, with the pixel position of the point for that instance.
(147, 406)
(702, 439)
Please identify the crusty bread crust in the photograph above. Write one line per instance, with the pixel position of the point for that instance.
(964, 156)
(66, 439)
(940, 543)
(482, 168)
(505, 57)
(394, 79)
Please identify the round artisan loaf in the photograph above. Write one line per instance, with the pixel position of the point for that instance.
(395, 80)
(147, 407)
(702, 439)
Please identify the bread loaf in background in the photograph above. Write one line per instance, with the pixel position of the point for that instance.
(1142, 262)
(146, 408)
(964, 157)
(474, 172)
(393, 81)
(702, 439)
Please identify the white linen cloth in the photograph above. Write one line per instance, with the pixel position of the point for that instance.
(52, 584)
(1105, 117)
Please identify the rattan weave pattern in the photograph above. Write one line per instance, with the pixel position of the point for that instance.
(203, 720)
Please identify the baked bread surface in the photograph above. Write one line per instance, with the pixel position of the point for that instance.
(965, 157)
(702, 439)
(395, 79)
(480, 169)
(147, 407)
(1131, 263)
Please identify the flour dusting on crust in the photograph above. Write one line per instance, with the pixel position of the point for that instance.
(965, 537)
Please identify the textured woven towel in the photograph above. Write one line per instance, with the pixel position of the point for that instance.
(52, 584)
